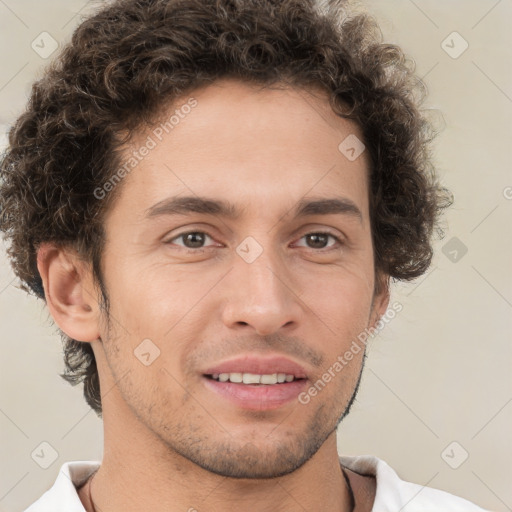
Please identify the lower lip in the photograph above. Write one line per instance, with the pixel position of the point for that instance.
(257, 397)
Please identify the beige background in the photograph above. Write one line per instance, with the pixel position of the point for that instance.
(439, 373)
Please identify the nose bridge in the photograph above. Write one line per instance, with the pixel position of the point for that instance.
(261, 292)
(259, 264)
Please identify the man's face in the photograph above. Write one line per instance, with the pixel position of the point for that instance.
(258, 293)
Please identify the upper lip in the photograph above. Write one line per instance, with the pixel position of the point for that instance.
(258, 365)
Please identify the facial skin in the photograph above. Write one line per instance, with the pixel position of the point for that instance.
(303, 298)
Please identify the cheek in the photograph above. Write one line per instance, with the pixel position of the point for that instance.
(342, 294)
(161, 304)
(337, 313)
(147, 299)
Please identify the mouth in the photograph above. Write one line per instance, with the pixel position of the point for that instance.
(254, 379)
(255, 396)
(255, 383)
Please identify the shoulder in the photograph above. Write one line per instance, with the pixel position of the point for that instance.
(392, 493)
(63, 495)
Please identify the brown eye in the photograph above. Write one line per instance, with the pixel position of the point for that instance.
(319, 240)
(191, 239)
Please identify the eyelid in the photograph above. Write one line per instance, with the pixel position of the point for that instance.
(183, 233)
(339, 239)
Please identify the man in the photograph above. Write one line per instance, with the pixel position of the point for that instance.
(212, 197)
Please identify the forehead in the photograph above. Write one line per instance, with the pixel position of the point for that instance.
(239, 109)
(246, 144)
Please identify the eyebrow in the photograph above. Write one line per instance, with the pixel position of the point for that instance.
(185, 205)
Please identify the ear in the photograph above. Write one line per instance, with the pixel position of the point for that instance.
(380, 300)
(69, 292)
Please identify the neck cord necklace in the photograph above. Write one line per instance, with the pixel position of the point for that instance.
(89, 492)
(351, 492)
(347, 481)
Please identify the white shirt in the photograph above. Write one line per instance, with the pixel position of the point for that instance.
(392, 493)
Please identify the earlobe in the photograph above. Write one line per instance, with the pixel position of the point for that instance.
(380, 301)
(69, 293)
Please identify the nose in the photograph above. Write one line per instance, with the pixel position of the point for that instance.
(261, 295)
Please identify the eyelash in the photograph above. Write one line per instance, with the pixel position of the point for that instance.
(203, 249)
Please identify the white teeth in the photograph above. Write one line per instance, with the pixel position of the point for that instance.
(252, 378)
(236, 377)
(269, 379)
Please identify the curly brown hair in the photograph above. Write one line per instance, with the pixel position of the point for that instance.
(129, 57)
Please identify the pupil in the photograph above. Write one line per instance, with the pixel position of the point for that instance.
(316, 237)
(199, 239)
